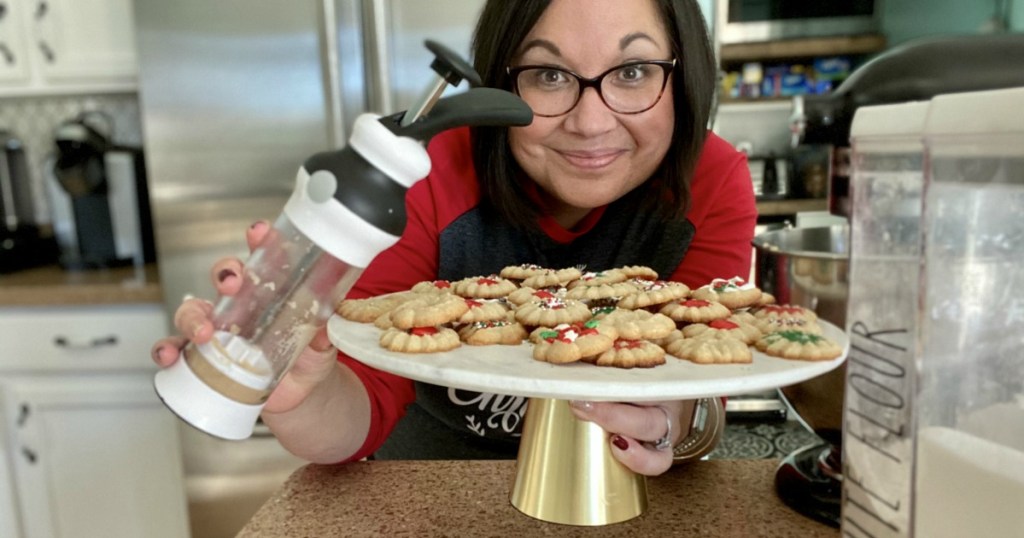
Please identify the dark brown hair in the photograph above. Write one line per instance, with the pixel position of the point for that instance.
(500, 31)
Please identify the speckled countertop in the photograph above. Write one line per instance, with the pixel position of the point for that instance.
(53, 286)
(720, 498)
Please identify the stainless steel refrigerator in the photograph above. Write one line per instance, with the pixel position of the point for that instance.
(234, 96)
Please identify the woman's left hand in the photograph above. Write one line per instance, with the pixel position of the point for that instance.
(636, 428)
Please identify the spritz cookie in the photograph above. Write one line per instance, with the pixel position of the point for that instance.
(734, 293)
(695, 310)
(433, 286)
(428, 310)
(484, 310)
(626, 353)
(551, 311)
(521, 271)
(547, 278)
(592, 278)
(638, 271)
(367, 310)
(710, 350)
(605, 290)
(498, 332)
(420, 339)
(799, 345)
(640, 324)
(484, 287)
(724, 328)
(651, 293)
(526, 294)
(567, 342)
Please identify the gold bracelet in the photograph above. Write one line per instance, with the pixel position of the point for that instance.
(705, 430)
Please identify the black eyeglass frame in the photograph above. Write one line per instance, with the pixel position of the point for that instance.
(583, 83)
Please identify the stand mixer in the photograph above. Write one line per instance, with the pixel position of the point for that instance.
(810, 479)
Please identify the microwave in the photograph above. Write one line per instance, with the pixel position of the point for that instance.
(744, 21)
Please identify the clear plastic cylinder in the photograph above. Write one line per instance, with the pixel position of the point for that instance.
(289, 290)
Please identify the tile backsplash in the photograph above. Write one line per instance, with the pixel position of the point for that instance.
(33, 120)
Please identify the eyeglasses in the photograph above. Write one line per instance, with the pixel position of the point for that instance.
(630, 88)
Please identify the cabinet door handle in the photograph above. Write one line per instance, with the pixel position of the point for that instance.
(6, 52)
(29, 454)
(44, 47)
(102, 341)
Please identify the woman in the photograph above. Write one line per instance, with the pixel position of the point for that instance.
(616, 169)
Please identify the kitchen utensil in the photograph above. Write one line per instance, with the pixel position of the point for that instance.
(347, 206)
(565, 471)
(934, 412)
(808, 267)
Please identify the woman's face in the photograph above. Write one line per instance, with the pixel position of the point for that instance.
(592, 155)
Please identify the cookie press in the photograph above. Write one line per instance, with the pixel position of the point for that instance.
(347, 206)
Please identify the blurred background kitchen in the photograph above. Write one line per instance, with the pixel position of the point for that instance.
(141, 137)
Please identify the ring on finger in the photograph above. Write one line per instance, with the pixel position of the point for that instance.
(665, 442)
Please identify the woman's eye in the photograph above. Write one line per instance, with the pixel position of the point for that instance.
(550, 77)
(632, 73)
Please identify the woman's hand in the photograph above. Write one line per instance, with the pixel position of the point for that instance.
(194, 322)
(636, 428)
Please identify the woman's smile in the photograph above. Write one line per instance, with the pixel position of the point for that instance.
(591, 160)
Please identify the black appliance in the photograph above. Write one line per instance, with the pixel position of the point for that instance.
(23, 243)
(810, 479)
(106, 185)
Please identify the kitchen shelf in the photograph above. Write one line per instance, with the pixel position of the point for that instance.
(803, 48)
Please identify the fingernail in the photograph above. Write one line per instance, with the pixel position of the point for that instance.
(196, 328)
(254, 225)
(224, 274)
(582, 405)
(620, 442)
(156, 353)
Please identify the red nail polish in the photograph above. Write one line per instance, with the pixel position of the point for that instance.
(620, 442)
(224, 274)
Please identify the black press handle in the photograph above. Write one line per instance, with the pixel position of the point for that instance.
(450, 66)
(474, 107)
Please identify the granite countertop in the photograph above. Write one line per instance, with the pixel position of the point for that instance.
(53, 286)
(471, 498)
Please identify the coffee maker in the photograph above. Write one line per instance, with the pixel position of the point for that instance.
(105, 185)
(810, 479)
(23, 242)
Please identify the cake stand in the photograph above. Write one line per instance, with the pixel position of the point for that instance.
(565, 471)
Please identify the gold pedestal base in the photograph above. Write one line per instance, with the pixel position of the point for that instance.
(566, 473)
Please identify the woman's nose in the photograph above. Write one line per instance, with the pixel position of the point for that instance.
(590, 116)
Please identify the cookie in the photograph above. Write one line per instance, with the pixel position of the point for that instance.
(734, 293)
(566, 342)
(798, 345)
(484, 310)
(551, 311)
(499, 332)
(710, 350)
(695, 310)
(552, 277)
(630, 354)
(731, 327)
(641, 272)
(526, 294)
(420, 340)
(428, 310)
(484, 287)
(521, 271)
(652, 293)
(594, 292)
(640, 324)
(592, 278)
(433, 286)
(785, 311)
(367, 310)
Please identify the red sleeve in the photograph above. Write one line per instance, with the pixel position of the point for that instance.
(723, 212)
(430, 206)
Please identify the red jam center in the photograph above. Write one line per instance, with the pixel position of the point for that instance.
(696, 303)
(423, 331)
(723, 324)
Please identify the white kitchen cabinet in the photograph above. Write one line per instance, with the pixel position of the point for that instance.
(89, 449)
(66, 46)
